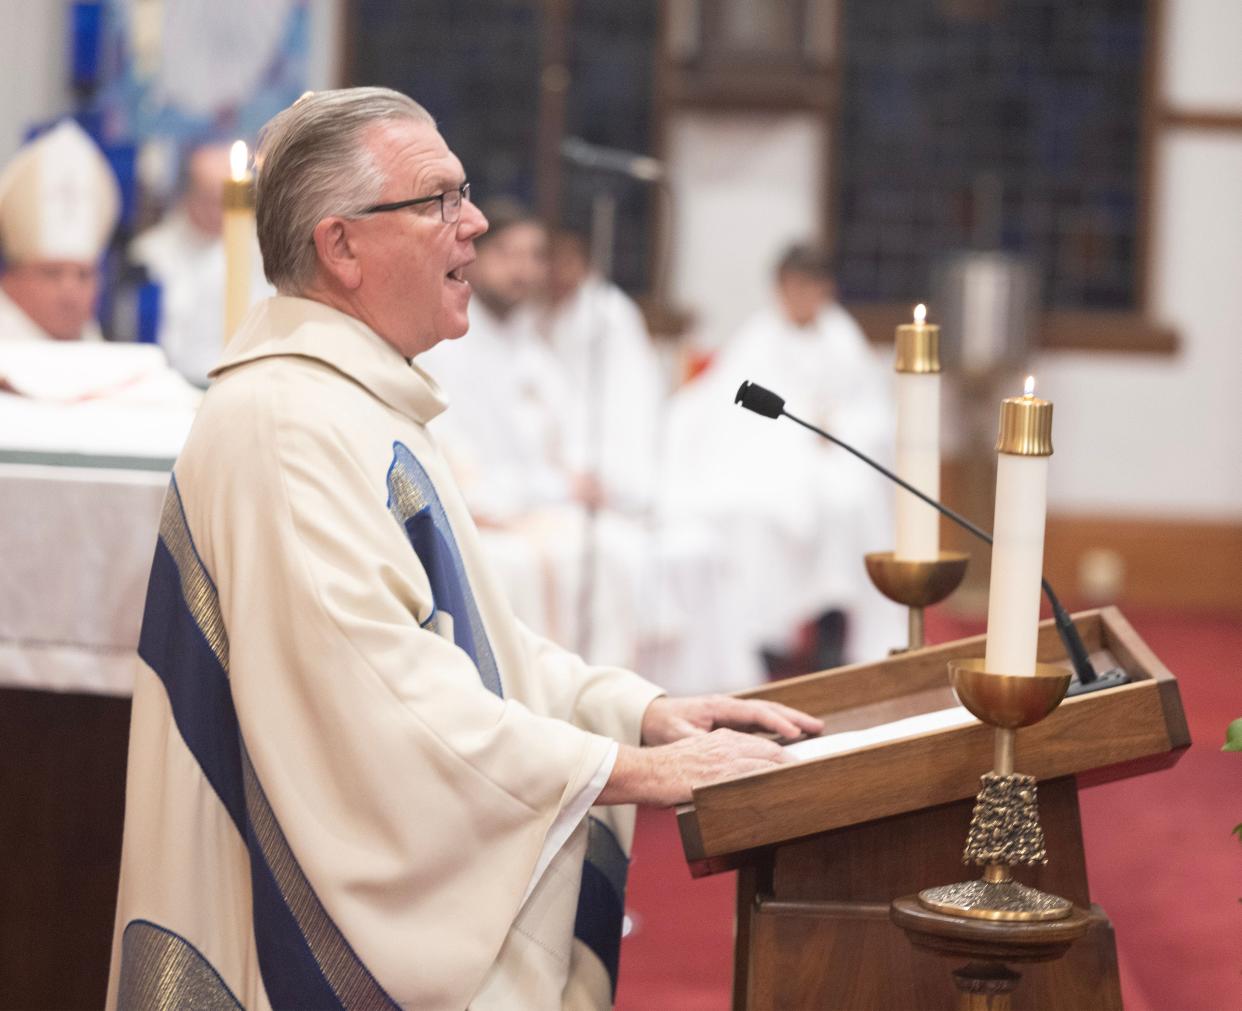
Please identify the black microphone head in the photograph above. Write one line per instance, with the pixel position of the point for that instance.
(755, 398)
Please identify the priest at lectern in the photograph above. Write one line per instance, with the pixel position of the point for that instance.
(354, 778)
(59, 202)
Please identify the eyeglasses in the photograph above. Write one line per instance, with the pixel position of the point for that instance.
(450, 204)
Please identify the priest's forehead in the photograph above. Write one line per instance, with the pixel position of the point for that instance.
(416, 158)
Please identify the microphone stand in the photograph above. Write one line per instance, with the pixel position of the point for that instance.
(603, 232)
(1088, 679)
(640, 168)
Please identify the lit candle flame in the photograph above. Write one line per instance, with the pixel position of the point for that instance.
(238, 157)
(1028, 388)
(920, 313)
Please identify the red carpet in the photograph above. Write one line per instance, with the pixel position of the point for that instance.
(1161, 860)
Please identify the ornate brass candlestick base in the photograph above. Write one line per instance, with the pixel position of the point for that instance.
(986, 982)
(916, 584)
(1004, 829)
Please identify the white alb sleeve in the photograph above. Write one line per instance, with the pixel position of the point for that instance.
(571, 814)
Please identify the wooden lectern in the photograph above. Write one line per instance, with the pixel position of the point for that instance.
(823, 846)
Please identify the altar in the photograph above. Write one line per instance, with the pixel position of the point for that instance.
(81, 487)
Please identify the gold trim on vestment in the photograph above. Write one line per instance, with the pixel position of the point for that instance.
(196, 586)
(349, 979)
(160, 970)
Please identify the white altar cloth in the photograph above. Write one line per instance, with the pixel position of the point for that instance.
(81, 487)
(77, 544)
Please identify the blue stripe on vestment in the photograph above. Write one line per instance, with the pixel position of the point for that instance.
(601, 899)
(415, 504)
(304, 960)
(173, 645)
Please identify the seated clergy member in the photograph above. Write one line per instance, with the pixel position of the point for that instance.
(506, 440)
(185, 254)
(504, 436)
(355, 779)
(58, 205)
(598, 335)
(796, 505)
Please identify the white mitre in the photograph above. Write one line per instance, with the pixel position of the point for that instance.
(58, 199)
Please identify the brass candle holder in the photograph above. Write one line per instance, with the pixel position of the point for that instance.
(1004, 829)
(917, 585)
(238, 193)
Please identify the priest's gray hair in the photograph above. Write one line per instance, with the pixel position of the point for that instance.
(313, 163)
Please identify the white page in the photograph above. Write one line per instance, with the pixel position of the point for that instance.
(835, 744)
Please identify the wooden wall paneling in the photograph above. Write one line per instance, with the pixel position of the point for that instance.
(1215, 120)
(1057, 330)
(62, 780)
(1166, 563)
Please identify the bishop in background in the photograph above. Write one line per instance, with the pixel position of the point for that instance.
(355, 779)
(59, 202)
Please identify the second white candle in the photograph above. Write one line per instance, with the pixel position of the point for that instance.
(1024, 445)
(1017, 563)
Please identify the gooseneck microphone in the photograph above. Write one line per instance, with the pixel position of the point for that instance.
(768, 404)
(598, 158)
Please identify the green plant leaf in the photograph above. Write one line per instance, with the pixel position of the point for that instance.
(1233, 736)
(1237, 830)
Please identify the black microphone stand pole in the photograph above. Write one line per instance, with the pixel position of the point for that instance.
(603, 237)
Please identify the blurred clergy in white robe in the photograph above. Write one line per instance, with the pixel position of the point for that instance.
(515, 445)
(355, 778)
(797, 512)
(184, 254)
(614, 413)
(615, 388)
(59, 203)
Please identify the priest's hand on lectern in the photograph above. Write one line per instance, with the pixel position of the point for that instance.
(670, 719)
(690, 742)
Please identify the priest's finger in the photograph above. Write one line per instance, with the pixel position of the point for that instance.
(809, 724)
(684, 728)
(756, 714)
(805, 723)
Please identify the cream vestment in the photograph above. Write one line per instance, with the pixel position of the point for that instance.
(354, 778)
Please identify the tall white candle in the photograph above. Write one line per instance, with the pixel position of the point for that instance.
(918, 438)
(1024, 445)
(238, 233)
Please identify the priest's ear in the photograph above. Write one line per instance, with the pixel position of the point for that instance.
(337, 252)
